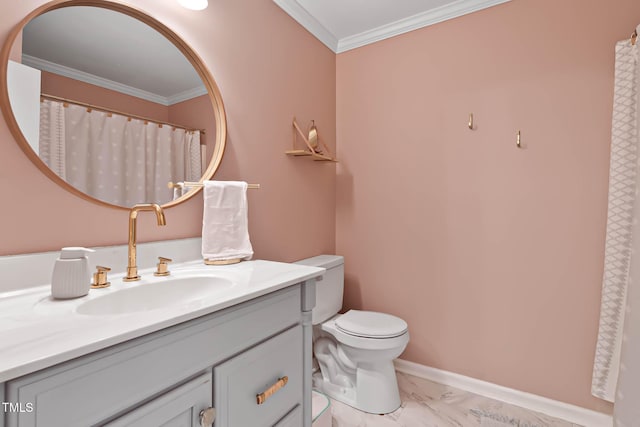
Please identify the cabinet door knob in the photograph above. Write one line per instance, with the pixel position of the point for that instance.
(207, 417)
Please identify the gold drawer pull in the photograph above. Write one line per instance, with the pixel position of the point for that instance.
(262, 397)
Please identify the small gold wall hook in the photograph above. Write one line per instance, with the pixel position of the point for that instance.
(518, 141)
(471, 121)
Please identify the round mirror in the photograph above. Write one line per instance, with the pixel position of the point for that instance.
(111, 104)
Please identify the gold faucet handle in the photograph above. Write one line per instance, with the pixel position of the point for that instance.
(163, 266)
(100, 278)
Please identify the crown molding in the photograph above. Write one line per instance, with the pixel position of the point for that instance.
(187, 94)
(308, 21)
(72, 73)
(414, 22)
(420, 20)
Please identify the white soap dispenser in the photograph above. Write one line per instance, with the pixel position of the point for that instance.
(71, 275)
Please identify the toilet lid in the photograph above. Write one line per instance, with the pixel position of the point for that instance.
(370, 324)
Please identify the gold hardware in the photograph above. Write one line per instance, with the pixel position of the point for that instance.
(163, 267)
(110, 112)
(100, 278)
(470, 121)
(518, 143)
(200, 185)
(132, 268)
(207, 417)
(262, 397)
(222, 261)
(310, 150)
(634, 37)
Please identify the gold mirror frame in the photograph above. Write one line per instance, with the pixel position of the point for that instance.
(192, 57)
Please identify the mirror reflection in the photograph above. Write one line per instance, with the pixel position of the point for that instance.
(110, 105)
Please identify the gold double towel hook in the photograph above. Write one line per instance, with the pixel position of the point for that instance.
(518, 135)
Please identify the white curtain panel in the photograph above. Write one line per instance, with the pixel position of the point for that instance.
(193, 154)
(623, 175)
(192, 162)
(52, 136)
(125, 161)
(626, 410)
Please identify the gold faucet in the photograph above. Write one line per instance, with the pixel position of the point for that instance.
(132, 268)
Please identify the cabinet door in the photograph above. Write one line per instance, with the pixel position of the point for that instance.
(179, 407)
(260, 371)
(292, 419)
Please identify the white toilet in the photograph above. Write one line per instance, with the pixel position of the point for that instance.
(354, 351)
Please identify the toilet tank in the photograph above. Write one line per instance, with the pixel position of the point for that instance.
(329, 288)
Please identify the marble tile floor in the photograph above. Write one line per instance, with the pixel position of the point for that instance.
(429, 404)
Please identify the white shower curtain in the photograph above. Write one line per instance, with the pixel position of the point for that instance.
(627, 411)
(117, 159)
(616, 374)
(52, 146)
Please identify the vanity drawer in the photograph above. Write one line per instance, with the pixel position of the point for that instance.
(110, 382)
(240, 380)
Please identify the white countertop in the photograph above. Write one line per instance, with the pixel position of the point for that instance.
(37, 332)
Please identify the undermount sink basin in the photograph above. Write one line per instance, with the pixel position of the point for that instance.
(169, 292)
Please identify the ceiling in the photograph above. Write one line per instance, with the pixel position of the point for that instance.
(112, 50)
(347, 24)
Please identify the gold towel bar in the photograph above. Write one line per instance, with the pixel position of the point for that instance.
(200, 184)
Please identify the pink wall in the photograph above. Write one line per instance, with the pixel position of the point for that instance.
(250, 47)
(493, 254)
(196, 113)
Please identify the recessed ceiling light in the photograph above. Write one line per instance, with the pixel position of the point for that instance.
(194, 4)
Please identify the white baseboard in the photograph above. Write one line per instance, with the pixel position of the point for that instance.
(554, 408)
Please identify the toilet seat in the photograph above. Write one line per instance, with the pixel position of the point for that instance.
(364, 343)
(370, 324)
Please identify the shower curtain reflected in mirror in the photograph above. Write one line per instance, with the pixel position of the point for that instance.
(115, 158)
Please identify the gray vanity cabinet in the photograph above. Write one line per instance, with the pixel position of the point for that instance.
(224, 359)
(180, 407)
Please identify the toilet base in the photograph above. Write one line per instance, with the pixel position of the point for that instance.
(376, 389)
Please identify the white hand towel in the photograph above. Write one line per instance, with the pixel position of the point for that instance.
(225, 225)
